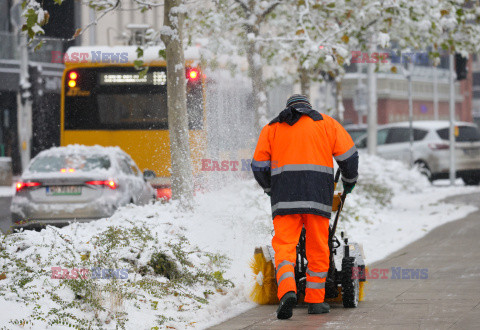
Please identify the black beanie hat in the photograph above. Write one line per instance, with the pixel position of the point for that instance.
(298, 99)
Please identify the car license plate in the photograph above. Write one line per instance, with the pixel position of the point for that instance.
(472, 152)
(64, 190)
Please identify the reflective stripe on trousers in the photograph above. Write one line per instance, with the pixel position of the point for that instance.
(316, 280)
(285, 273)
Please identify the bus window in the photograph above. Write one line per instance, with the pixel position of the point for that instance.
(132, 110)
(100, 102)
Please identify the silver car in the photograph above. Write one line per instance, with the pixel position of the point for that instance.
(431, 148)
(356, 130)
(77, 183)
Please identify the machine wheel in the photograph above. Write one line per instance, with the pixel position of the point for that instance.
(471, 180)
(424, 169)
(350, 286)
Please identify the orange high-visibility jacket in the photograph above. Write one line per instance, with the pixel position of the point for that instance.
(293, 161)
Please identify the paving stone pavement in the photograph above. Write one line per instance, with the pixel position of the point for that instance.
(448, 299)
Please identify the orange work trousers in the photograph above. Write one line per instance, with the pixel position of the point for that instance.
(287, 233)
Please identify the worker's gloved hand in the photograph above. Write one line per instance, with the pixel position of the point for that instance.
(348, 187)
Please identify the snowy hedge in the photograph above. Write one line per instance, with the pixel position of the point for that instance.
(131, 269)
(379, 181)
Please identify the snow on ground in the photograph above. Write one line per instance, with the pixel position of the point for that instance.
(7, 191)
(390, 207)
(415, 207)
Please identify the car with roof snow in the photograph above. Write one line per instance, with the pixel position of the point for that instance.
(431, 147)
(356, 130)
(78, 183)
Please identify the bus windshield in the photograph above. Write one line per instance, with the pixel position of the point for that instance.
(147, 110)
(117, 98)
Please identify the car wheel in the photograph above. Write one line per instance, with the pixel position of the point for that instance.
(423, 168)
(471, 180)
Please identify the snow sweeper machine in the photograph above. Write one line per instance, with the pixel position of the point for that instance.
(346, 274)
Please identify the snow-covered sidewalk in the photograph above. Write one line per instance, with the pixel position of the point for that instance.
(391, 207)
(407, 219)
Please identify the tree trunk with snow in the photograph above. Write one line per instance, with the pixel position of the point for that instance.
(255, 14)
(304, 82)
(258, 86)
(339, 103)
(182, 175)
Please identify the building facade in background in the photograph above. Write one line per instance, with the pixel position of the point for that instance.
(392, 94)
(112, 29)
(476, 88)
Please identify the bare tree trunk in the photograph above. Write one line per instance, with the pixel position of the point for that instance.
(339, 103)
(304, 82)
(254, 56)
(258, 86)
(182, 176)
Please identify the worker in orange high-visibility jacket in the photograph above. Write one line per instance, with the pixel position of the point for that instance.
(293, 163)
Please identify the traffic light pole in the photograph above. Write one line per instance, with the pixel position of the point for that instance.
(359, 84)
(372, 106)
(452, 121)
(435, 93)
(410, 111)
(24, 109)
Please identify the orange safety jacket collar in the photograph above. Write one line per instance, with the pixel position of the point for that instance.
(292, 114)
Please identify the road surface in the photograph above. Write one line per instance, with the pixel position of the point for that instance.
(448, 299)
(5, 221)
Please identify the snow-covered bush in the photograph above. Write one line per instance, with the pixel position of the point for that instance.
(391, 175)
(379, 181)
(132, 265)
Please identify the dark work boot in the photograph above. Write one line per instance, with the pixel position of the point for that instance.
(319, 308)
(285, 308)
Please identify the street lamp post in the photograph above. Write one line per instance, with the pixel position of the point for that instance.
(24, 112)
(435, 93)
(451, 137)
(410, 109)
(372, 105)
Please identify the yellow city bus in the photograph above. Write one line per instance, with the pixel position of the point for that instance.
(106, 102)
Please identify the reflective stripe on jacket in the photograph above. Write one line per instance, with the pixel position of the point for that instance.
(293, 162)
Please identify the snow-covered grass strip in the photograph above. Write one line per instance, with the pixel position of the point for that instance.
(159, 278)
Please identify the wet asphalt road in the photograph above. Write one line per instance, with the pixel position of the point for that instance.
(448, 299)
(5, 214)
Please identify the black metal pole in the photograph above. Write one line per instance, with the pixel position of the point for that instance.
(340, 207)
